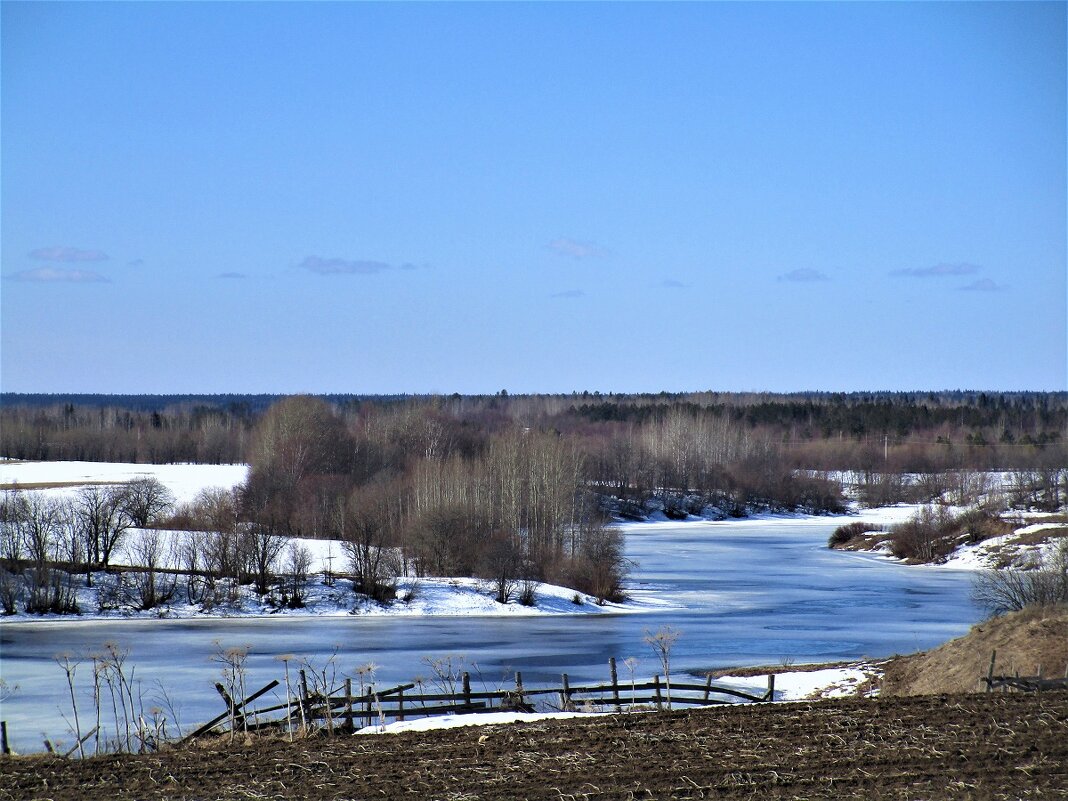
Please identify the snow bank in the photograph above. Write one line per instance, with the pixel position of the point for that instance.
(802, 685)
(474, 719)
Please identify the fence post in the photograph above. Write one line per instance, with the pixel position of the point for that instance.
(348, 705)
(615, 683)
(467, 688)
(400, 704)
(656, 688)
(519, 688)
(708, 687)
(236, 719)
(4, 747)
(305, 701)
(990, 673)
(770, 695)
(370, 708)
(565, 696)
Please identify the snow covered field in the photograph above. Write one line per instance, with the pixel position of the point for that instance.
(184, 480)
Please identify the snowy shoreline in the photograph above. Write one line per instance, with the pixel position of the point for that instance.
(416, 597)
(431, 597)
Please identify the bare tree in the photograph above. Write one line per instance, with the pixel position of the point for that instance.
(298, 565)
(150, 587)
(600, 564)
(502, 564)
(363, 523)
(12, 513)
(40, 522)
(145, 500)
(262, 550)
(102, 520)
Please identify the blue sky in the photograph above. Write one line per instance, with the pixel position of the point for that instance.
(383, 198)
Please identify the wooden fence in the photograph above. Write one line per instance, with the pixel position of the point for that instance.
(343, 710)
(1027, 684)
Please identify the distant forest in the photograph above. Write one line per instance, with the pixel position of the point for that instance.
(901, 431)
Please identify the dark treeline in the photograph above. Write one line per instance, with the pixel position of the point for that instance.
(900, 431)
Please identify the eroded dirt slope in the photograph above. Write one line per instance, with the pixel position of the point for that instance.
(1025, 641)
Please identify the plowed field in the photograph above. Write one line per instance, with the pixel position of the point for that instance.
(930, 747)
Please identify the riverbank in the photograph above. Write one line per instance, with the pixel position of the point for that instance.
(1018, 539)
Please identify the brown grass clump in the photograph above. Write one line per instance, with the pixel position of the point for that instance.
(850, 531)
(1033, 638)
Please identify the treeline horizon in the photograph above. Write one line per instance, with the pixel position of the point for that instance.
(904, 431)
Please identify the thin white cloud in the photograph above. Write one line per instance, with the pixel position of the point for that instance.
(982, 285)
(231, 275)
(671, 283)
(67, 254)
(48, 275)
(576, 249)
(938, 270)
(334, 266)
(804, 275)
(569, 293)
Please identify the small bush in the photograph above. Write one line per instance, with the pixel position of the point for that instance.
(924, 537)
(935, 531)
(844, 534)
(528, 589)
(1011, 589)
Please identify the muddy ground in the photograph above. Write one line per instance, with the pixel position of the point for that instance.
(1004, 746)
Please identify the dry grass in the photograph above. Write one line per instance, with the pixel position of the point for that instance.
(1025, 641)
(41, 485)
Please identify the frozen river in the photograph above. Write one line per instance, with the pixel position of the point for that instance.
(741, 593)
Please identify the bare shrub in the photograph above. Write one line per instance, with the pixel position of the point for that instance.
(11, 591)
(149, 587)
(923, 537)
(1013, 588)
(297, 566)
(844, 534)
(528, 591)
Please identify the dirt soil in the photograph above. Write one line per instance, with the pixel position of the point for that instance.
(1025, 641)
(980, 746)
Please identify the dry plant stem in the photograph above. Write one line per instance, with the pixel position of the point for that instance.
(70, 669)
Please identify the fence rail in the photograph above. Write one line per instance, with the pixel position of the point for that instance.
(341, 709)
(1027, 684)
